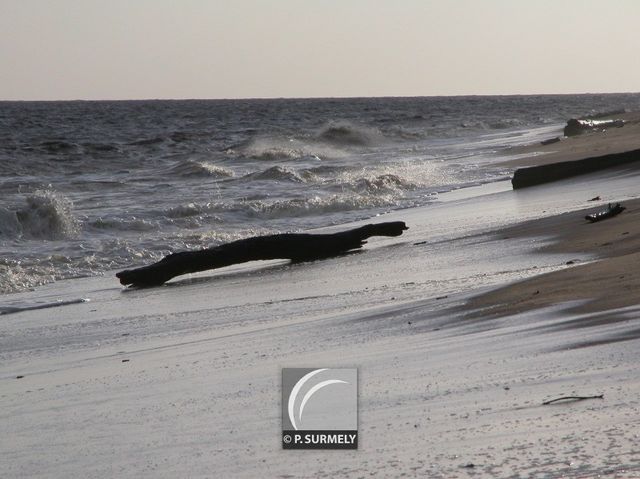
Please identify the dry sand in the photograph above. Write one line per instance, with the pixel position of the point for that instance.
(596, 143)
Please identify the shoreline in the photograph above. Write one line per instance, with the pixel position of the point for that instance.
(566, 157)
(585, 145)
(604, 282)
(187, 376)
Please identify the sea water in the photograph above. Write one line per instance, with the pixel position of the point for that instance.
(87, 187)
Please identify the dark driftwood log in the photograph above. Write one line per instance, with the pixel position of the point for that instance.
(610, 212)
(294, 246)
(537, 175)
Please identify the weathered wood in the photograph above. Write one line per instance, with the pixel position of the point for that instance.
(294, 246)
(537, 175)
(610, 212)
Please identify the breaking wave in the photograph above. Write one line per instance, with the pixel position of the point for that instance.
(34, 269)
(344, 133)
(278, 148)
(273, 153)
(47, 215)
(268, 209)
(191, 209)
(317, 205)
(281, 173)
(382, 183)
(200, 168)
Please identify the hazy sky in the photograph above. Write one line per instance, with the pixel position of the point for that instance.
(124, 49)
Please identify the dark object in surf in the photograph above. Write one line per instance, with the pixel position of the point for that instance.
(610, 212)
(576, 127)
(293, 246)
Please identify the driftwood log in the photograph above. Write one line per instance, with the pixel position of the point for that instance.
(538, 175)
(576, 127)
(610, 212)
(294, 246)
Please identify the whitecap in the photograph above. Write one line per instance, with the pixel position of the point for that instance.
(47, 215)
(200, 168)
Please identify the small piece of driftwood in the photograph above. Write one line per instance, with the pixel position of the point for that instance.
(572, 398)
(610, 212)
(294, 246)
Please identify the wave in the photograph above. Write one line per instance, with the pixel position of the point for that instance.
(15, 277)
(277, 148)
(382, 183)
(58, 146)
(289, 208)
(34, 269)
(192, 209)
(344, 133)
(101, 147)
(328, 170)
(281, 173)
(317, 205)
(273, 153)
(130, 224)
(147, 141)
(47, 215)
(271, 149)
(191, 168)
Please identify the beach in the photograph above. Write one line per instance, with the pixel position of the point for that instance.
(607, 281)
(493, 301)
(606, 141)
(610, 281)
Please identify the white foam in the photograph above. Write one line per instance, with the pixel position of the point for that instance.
(48, 215)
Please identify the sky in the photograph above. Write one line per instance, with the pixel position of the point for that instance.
(141, 49)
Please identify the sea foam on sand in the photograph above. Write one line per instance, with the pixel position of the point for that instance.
(184, 379)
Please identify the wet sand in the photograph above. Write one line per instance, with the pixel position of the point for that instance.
(611, 249)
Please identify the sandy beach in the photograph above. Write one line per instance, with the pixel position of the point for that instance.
(609, 280)
(492, 302)
(603, 142)
(610, 248)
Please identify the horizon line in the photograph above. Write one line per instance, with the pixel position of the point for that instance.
(346, 97)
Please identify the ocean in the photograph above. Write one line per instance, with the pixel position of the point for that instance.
(89, 187)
